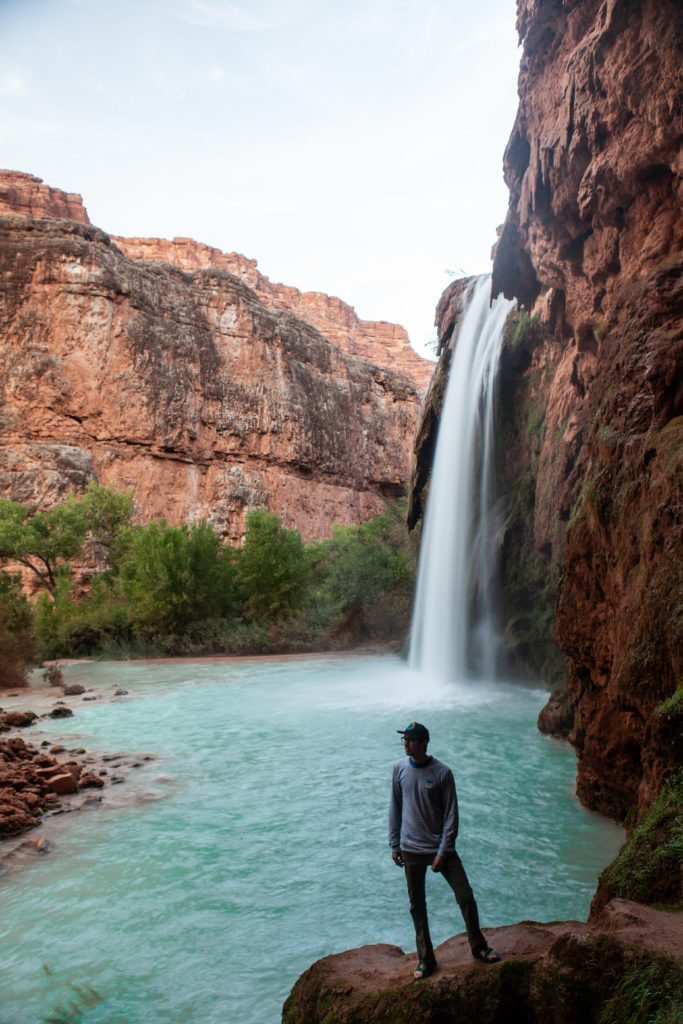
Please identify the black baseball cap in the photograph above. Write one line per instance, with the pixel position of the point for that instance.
(415, 731)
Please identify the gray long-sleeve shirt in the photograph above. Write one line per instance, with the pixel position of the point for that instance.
(423, 812)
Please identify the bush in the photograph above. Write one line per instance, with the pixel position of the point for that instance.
(16, 631)
(650, 993)
(271, 569)
(174, 590)
(364, 576)
(173, 576)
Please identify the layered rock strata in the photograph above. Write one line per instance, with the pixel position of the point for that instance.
(182, 386)
(375, 341)
(29, 196)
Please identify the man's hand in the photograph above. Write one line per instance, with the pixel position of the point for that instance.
(397, 858)
(438, 862)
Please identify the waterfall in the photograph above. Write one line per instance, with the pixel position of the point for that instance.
(453, 633)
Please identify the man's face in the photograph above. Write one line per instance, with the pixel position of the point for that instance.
(417, 749)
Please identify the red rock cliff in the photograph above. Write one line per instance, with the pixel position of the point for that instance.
(593, 237)
(181, 385)
(377, 341)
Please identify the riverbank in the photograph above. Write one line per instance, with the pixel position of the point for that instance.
(40, 777)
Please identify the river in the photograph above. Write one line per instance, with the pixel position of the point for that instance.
(256, 840)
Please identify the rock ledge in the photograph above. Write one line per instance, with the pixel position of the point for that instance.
(548, 973)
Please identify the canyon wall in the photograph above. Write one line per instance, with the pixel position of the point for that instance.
(592, 241)
(182, 384)
(591, 379)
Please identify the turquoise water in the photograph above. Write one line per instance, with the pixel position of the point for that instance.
(256, 843)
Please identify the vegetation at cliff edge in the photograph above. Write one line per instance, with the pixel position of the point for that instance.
(181, 590)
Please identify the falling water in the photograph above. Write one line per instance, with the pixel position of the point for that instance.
(454, 634)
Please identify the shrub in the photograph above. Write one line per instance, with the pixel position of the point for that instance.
(647, 869)
(173, 576)
(16, 631)
(271, 570)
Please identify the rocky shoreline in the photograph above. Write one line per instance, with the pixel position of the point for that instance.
(53, 776)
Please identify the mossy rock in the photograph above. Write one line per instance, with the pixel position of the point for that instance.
(648, 867)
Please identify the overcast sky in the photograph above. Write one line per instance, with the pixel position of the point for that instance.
(350, 146)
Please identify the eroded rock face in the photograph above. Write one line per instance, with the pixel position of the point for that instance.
(182, 386)
(381, 343)
(593, 163)
(593, 238)
(28, 196)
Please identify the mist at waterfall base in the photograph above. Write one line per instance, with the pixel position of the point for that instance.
(256, 842)
(454, 633)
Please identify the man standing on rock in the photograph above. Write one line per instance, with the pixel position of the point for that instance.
(423, 825)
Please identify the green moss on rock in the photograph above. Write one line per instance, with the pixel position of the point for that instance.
(648, 867)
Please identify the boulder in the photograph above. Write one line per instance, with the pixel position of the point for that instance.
(17, 719)
(61, 711)
(549, 973)
(73, 690)
(63, 783)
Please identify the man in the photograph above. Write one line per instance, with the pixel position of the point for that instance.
(423, 825)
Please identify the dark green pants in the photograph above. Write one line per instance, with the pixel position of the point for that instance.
(416, 865)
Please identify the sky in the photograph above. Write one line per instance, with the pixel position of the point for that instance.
(352, 147)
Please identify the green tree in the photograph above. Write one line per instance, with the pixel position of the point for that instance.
(16, 631)
(271, 568)
(42, 542)
(371, 564)
(108, 514)
(173, 576)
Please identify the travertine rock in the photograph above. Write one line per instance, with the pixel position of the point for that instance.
(565, 971)
(593, 237)
(183, 387)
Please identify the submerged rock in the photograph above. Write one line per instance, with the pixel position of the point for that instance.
(17, 719)
(73, 690)
(61, 711)
(557, 717)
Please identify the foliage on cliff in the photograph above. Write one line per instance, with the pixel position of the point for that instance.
(182, 590)
(649, 865)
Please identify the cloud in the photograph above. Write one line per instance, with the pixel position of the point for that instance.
(12, 84)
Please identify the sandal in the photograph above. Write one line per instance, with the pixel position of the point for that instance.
(488, 955)
(423, 970)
